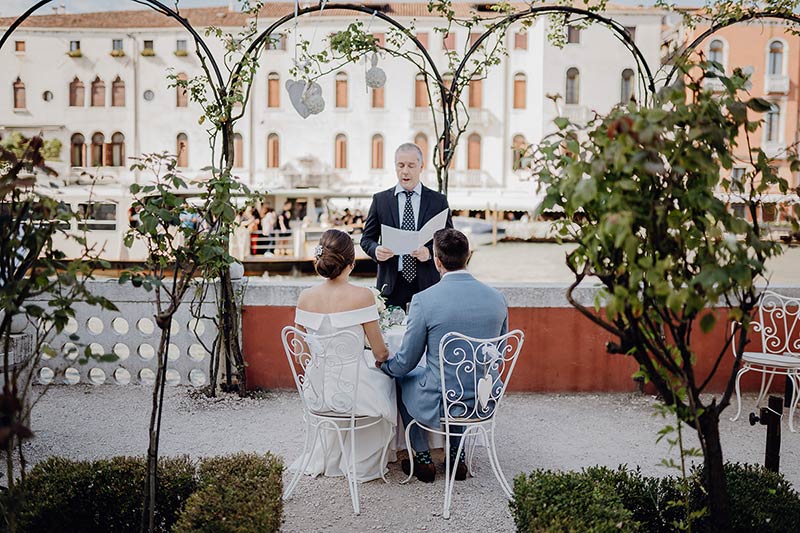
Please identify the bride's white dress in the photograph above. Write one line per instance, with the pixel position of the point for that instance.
(376, 397)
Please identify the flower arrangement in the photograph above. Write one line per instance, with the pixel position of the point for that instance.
(388, 316)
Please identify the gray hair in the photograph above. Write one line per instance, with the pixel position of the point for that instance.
(409, 147)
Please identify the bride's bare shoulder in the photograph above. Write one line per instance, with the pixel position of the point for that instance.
(362, 296)
(307, 296)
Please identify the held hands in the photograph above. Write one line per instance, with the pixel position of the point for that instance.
(382, 253)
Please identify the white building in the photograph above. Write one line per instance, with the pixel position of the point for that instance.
(98, 82)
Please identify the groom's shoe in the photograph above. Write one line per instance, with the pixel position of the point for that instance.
(461, 470)
(423, 472)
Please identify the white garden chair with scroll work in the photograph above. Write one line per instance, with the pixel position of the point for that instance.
(474, 375)
(326, 370)
(779, 325)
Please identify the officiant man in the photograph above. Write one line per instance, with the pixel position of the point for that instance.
(407, 206)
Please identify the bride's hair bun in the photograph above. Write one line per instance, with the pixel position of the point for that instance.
(336, 252)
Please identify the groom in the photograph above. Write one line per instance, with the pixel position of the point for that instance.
(408, 205)
(457, 303)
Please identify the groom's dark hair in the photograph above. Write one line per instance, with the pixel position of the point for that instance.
(452, 248)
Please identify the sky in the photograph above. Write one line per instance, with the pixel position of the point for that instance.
(12, 8)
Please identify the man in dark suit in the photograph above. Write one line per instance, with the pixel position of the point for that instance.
(408, 205)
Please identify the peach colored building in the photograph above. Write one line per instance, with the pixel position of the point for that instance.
(771, 54)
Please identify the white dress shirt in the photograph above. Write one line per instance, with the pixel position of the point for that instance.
(401, 207)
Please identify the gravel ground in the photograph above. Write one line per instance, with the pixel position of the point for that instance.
(552, 431)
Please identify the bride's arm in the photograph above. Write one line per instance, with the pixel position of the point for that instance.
(379, 349)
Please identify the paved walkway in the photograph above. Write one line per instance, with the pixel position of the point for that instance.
(553, 431)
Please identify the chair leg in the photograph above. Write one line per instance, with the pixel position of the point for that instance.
(306, 455)
(383, 457)
(739, 375)
(410, 452)
(350, 472)
(471, 453)
(764, 390)
(795, 378)
(356, 502)
(495, 462)
(450, 471)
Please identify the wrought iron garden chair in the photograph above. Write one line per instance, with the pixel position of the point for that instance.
(779, 325)
(326, 370)
(474, 374)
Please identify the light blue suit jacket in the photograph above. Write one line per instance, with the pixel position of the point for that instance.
(457, 303)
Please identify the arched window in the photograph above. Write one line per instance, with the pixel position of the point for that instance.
(716, 52)
(77, 96)
(573, 86)
(775, 58)
(96, 155)
(77, 142)
(474, 152)
(518, 147)
(377, 98)
(118, 93)
(238, 150)
(421, 140)
(341, 90)
(117, 150)
(475, 94)
(376, 162)
(340, 151)
(98, 93)
(19, 94)
(181, 96)
(420, 91)
(520, 90)
(182, 149)
(273, 151)
(273, 90)
(626, 86)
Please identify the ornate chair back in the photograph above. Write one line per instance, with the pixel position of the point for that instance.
(325, 369)
(779, 324)
(475, 373)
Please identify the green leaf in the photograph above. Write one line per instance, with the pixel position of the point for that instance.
(707, 322)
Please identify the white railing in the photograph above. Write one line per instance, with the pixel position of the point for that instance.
(777, 84)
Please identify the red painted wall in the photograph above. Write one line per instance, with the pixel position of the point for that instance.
(563, 351)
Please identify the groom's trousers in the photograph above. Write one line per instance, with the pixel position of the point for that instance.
(419, 437)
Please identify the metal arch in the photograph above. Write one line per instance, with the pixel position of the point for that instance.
(255, 46)
(720, 25)
(534, 12)
(152, 4)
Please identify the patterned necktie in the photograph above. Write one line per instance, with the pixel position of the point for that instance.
(409, 263)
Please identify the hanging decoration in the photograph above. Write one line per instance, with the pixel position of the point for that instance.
(376, 77)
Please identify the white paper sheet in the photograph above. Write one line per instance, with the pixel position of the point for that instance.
(403, 242)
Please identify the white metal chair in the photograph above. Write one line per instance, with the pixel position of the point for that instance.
(326, 370)
(779, 325)
(474, 375)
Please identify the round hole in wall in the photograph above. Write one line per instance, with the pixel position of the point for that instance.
(146, 351)
(197, 352)
(173, 377)
(145, 326)
(96, 349)
(72, 326)
(72, 376)
(46, 375)
(149, 95)
(47, 96)
(175, 328)
(147, 376)
(197, 377)
(120, 325)
(197, 327)
(45, 348)
(122, 376)
(70, 351)
(121, 350)
(94, 325)
(97, 376)
(173, 352)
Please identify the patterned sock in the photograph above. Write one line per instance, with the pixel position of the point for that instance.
(453, 450)
(423, 458)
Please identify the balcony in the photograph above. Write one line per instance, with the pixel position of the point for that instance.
(777, 84)
(774, 149)
(713, 84)
(421, 117)
(479, 117)
(577, 113)
(471, 179)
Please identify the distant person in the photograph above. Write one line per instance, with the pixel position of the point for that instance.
(408, 205)
(283, 229)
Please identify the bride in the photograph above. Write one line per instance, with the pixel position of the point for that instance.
(332, 306)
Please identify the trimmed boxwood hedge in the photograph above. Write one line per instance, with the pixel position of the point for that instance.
(241, 492)
(599, 499)
(237, 494)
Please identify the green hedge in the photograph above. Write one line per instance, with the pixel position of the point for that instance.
(103, 495)
(237, 494)
(600, 500)
(241, 492)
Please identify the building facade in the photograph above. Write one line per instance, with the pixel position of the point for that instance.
(99, 83)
